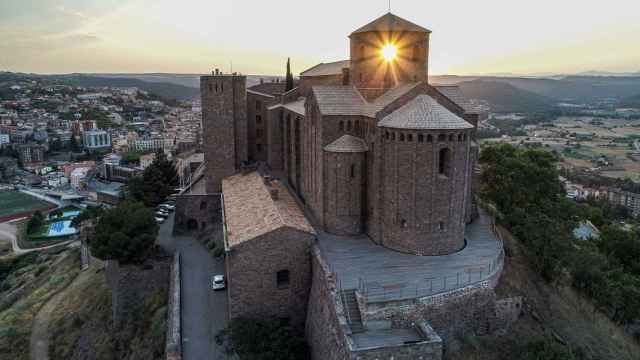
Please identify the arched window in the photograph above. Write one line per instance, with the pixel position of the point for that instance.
(420, 138)
(410, 137)
(203, 205)
(441, 226)
(386, 135)
(282, 278)
(459, 137)
(401, 137)
(444, 161)
(349, 125)
(429, 138)
(393, 136)
(341, 125)
(442, 137)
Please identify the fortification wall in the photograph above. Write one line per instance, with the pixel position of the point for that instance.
(196, 212)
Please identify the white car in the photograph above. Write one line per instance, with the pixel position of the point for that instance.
(167, 207)
(218, 283)
(159, 220)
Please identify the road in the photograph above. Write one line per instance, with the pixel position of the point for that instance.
(204, 312)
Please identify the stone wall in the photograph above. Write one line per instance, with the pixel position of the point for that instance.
(132, 285)
(173, 349)
(326, 325)
(454, 314)
(252, 268)
(429, 349)
(194, 213)
(344, 186)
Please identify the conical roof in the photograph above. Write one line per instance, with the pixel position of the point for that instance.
(347, 143)
(390, 22)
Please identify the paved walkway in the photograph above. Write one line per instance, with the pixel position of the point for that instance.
(391, 275)
(204, 312)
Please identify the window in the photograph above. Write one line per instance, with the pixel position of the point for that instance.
(357, 126)
(442, 137)
(210, 88)
(443, 162)
(259, 148)
(258, 119)
(259, 133)
(420, 138)
(459, 137)
(348, 125)
(386, 135)
(353, 171)
(282, 278)
(403, 223)
(258, 105)
(203, 205)
(216, 87)
(410, 137)
(401, 137)
(429, 138)
(341, 125)
(441, 226)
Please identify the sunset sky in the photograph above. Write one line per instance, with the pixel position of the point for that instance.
(194, 36)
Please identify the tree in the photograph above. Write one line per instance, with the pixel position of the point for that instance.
(73, 144)
(289, 76)
(35, 222)
(257, 339)
(125, 233)
(156, 183)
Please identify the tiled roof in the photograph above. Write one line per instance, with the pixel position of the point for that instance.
(347, 144)
(389, 97)
(339, 100)
(295, 106)
(423, 112)
(269, 88)
(454, 94)
(390, 22)
(324, 69)
(251, 212)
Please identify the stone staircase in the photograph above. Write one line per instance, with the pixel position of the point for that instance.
(352, 312)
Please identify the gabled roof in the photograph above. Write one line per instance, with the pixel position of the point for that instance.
(250, 211)
(388, 97)
(347, 144)
(325, 69)
(269, 88)
(423, 112)
(391, 22)
(339, 100)
(295, 106)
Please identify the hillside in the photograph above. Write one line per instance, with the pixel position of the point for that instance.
(504, 97)
(162, 89)
(556, 314)
(632, 101)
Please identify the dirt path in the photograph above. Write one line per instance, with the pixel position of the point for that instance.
(8, 233)
(39, 344)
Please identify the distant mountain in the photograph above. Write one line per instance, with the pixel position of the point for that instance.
(504, 97)
(608, 73)
(190, 80)
(631, 101)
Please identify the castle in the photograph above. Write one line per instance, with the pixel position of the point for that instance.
(347, 201)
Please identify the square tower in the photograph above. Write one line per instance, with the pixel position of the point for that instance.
(224, 122)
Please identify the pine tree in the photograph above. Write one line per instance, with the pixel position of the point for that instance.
(289, 76)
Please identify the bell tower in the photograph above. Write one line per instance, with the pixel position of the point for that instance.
(389, 51)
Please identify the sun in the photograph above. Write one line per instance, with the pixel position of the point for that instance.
(389, 52)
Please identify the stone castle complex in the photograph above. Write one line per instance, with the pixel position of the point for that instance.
(347, 201)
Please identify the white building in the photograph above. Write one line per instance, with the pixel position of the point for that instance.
(4, 139)
(94, 140)
(78, 175)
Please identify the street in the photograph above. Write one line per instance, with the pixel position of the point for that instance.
(204, 312)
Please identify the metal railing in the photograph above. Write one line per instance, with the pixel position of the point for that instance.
(374, 291)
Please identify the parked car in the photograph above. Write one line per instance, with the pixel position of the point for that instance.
(218, 282)
(162, 214)
(168, 207)
(159, 220)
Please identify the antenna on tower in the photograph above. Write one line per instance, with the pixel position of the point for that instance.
(389, 5)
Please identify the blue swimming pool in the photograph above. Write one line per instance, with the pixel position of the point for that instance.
(61, 228)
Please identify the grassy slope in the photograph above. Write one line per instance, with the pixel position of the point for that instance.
(84, 326)
(34, 279)
(550, 312)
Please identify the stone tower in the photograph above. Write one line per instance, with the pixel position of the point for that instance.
(369, 70)
(224, 122)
